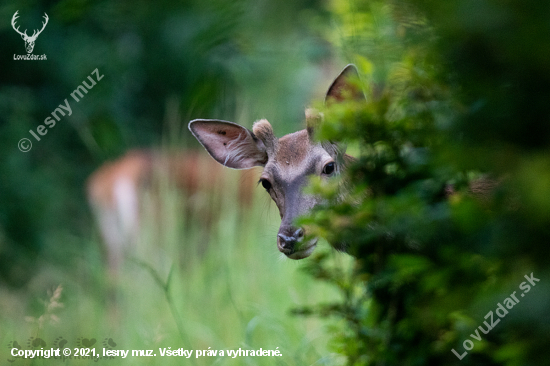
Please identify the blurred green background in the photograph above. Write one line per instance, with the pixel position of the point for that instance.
(455, 90)
(163, 64)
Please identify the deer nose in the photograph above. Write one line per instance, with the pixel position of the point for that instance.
(286, 243)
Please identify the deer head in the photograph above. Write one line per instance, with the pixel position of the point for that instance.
(29, 40)
(288, 161)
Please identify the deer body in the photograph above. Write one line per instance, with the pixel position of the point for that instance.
(287, 161)
(116, 193)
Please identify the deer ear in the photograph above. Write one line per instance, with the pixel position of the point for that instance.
(229, 144)
(345, 86)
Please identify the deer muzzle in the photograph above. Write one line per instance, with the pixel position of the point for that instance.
(290, 242)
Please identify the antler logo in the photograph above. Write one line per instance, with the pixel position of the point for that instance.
(29, 40)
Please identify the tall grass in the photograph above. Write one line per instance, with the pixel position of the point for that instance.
(190, 282)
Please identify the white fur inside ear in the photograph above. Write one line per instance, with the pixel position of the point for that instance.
(238, 151)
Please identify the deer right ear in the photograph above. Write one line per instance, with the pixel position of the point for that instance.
(345, 86)
(229, 143)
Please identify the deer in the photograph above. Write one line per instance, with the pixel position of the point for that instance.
(287, 162)
(29, 40)
(116, 193)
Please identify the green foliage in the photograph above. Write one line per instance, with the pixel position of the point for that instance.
(437, 244)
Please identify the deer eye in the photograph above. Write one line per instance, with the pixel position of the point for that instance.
(265, 183)
(329, 168)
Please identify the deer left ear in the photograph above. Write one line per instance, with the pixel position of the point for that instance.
(229, 143)
(346, 86)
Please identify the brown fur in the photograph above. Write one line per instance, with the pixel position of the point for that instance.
(116, 191)
(293, 148)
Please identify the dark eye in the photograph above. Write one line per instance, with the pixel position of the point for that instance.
(265, 183)
(329, 168)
